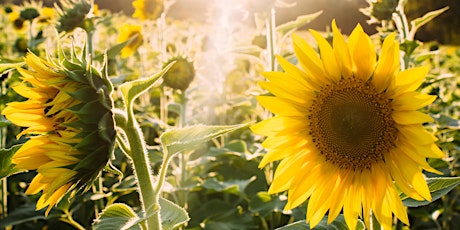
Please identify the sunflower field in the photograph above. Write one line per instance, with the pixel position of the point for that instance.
(226, 121)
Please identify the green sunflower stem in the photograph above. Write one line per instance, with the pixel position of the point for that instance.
(138, 153)
(183, 156)
(271, 38)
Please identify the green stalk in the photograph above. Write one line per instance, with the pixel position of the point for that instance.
(3, 181)
(138, 152)
(271, 38)
(183, 156)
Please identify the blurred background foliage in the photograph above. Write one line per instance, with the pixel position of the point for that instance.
(443, 29)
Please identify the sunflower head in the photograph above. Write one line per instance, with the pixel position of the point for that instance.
(46, 14)
(72, 14)
(181, 73)
(68, 117)
(347, 129)
(147, 9)
(134, 34)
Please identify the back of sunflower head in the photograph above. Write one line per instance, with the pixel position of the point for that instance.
(69, 121)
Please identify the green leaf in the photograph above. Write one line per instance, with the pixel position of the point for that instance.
(236, 187)
(117, 216)
(265, 204)
(300, 21)
(4, 122)
(132, 89)
(23, 214)
(439, 186)
(6, 166)
(180, 139)
(172, 216)
(337, 224)
(419, 22)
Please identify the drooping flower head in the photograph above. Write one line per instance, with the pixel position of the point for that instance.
(181, 73)
(147, 9)
(72, 14)
(68, 117)
(347, 129)
(127, 32)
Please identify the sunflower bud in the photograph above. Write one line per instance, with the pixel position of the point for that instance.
(68, 117)
(180, 75)
(29, 13)
(8, 9)
(72, 14)
(381, 10)
(260, 41)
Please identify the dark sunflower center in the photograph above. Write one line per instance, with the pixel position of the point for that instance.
(351, 124)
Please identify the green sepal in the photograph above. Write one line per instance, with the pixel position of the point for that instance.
(88, 112)
(132, 89)
(106, 127)
(114, 170)
(75, 71)
(117, 216)
(177, 140)
(84, 94)
(6, 166)
(439, 186)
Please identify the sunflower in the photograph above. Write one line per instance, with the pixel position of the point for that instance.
(127, 32)
(347, 130)
(147, 9)
(68, 117)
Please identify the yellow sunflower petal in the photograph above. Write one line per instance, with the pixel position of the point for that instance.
(281, 106)
(352, 203)
(408, 80)
(35, 185)
(342, 52)
(279, 125)
(330, 65)
(362, 52)
(387, 64)
(412, 101)
(284, 175)
(419, 158)
(309, 60)
(411, 117)
(417, 134)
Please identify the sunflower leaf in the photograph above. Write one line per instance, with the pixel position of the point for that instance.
(6, 166)
(180, 139)
(172, 216)
(132, 89)
(439, 186)
(419, 22)
(4, 122)
(337, 224)
(117, 216)
(300, 21)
